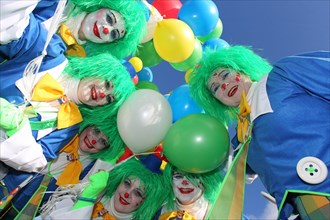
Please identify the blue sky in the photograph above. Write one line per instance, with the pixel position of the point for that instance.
(277, 28)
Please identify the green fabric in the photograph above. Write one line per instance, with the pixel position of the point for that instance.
(312, 207)
(98, 183)
(228, 202)
(41, 125)
(10, 117)
(30, 209)
(299, 192)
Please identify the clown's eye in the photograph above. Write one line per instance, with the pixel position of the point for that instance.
(224, 76)
(138, 193)
(215, 87)
(177, 176)
(104, 142)
(115, 34)
(107, 84)
(110, 19)
(97, 131)
(127, 183)
(110, 98)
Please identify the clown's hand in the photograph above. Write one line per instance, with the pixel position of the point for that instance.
(98, 183)
(11, 117)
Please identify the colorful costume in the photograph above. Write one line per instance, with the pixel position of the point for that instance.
(104, 67)
(22, 39)
(290, 115)
(132, 12)
(155, 194)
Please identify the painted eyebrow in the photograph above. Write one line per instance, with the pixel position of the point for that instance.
(223, 72)
(114, 17)
(219, 73)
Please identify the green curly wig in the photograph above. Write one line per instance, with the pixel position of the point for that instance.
(135, 22)
(156, 189)
(109, 129)
(106, 67)
(210, 180)
(239, 58)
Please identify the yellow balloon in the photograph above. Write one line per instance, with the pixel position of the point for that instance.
(174, 40)
(187, 75)
(136, 63)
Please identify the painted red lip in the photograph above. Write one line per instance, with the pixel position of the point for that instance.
(186, 190)
(232, 91)
(123, 201)
(88, 144)
(96, 31)
(93, 93)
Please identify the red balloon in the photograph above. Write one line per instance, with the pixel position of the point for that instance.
(168, 8)
(135, 79)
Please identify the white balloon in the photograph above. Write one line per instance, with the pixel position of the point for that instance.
(144, 119)
(154, 18)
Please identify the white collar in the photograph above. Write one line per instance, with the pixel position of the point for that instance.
(198, 209)
(74, 21)
(258, 99)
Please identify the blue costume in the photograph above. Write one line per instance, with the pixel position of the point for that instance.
(15, 55)
(296, 126)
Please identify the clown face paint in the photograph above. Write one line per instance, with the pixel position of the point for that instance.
(129, 195)
(102, 26)
(227, 85)
(95, 92)
(185, 192)
(92, 140)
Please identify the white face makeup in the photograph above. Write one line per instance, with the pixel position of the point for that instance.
(185, 192)
(92, 140)
(102, 26)
(129, 195)
(95, 92)
(227, 85)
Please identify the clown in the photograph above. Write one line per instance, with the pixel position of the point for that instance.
(130, 191)
(72, 164)
(99, 85)
(92, 27)
(288, 106)
(192, 194)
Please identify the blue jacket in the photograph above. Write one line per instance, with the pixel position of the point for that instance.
(15, 55)
(299, 126)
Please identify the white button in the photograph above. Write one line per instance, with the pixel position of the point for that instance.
(312, 170)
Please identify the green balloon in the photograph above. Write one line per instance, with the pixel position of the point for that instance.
(146, 85)
(147, 53)
(216, 33)
(192, 61)
(197, 143)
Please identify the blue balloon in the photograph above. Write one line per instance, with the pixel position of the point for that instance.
(202, 16)
(215, 44)
(182, 103)
(145, 74)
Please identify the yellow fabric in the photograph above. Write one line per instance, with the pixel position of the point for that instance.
(48, 89)
(72, 171)
(100, 211)
(230, 200)
(243, 122)
(73, 48)
(176, 215)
